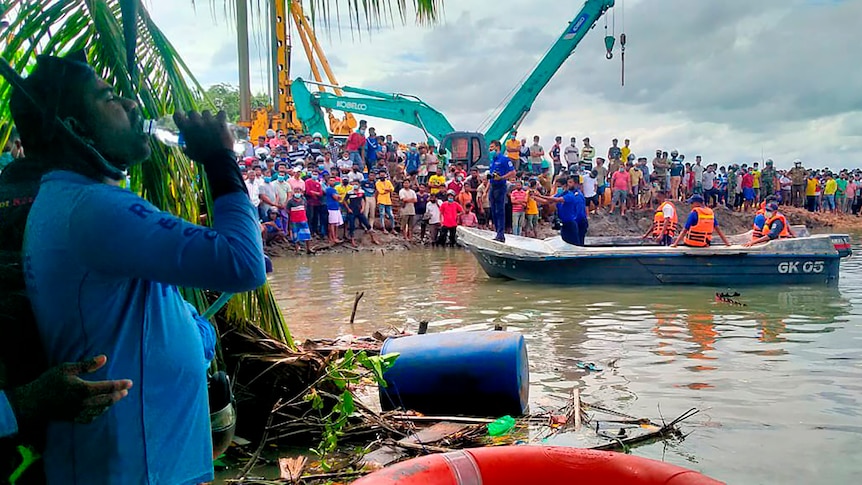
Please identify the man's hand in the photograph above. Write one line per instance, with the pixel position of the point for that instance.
(60, 395)
(204, 134)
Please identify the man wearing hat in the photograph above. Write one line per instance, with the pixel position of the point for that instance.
(700, 226)
(767, 180)
(501, 170)
(90, 297)
(798, 177)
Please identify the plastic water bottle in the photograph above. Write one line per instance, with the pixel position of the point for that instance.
(167, 133)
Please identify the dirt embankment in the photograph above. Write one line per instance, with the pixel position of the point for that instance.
(634, 223)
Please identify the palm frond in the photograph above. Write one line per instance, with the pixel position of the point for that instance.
(163, 84)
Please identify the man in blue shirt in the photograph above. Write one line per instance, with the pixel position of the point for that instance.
(571, 209)
(89, 296)
(500, 171)
(372, 146)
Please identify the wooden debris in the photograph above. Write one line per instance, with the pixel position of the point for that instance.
(292, 468)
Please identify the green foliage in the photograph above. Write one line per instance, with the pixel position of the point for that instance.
(169, 180)
(226, 97)
(346, 372)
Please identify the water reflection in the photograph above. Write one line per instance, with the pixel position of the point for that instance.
(785, 368)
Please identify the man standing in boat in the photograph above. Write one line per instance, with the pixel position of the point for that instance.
(700, 225)
(777, 225)
(665, 221)
(501, 170)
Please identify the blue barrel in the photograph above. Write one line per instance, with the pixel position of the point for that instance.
(458, 373)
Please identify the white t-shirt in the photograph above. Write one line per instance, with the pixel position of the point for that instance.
(355, 177)
(433, 211)
(407, 209)
(590, 185)
(254, 191)
(669, 211)
(571, 156)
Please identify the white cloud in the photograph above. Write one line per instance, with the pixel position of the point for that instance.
(723, 79)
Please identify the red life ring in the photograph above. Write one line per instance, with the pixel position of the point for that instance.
(527, 465)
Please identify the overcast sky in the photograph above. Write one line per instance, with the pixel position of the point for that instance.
(727, 79)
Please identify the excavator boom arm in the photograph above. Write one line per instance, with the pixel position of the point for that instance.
(413, 111)
(522, 101)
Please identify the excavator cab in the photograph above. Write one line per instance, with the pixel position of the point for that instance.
(467, 147)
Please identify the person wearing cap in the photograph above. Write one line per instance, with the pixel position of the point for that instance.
(699, 226)
(798, 177)
(768, 178)
(88, 295)
(316, 148)
(501, 170)
(449, 214)
(777, 226)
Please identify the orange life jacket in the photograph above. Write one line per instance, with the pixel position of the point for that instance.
(658, 221)
(700, 234)
(757, 232)
(785, 232)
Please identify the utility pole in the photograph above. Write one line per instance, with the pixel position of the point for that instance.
(244, 74)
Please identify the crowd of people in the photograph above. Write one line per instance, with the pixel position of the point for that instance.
(307, 188)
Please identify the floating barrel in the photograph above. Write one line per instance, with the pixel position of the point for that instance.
(524, 465)
(465, 373)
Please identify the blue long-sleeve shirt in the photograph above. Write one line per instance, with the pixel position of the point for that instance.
(8, 423)
(102, 268)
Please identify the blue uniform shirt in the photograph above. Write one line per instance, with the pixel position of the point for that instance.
(580, 207)
(8, 424)
(102, 268)
(759, 221)
(692, 220)
(566, 210)
(371, 147)
(500, 165)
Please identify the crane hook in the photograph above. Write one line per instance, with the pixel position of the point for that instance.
(609, 46)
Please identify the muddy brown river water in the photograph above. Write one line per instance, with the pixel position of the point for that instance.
(779, 380)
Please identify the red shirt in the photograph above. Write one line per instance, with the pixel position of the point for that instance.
(455, 186)
(747, 181)
(355, 141)
(314, 192)
(296, 210)
(449, 213)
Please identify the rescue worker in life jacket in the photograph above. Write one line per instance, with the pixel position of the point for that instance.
(665, 223)
(699, 227)
(757, 230)
(777, 225)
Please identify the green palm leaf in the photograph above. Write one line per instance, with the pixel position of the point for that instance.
(169, 180)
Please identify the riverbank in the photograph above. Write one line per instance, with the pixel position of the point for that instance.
(634, 223)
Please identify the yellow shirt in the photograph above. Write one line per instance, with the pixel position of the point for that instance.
(831, 187)
(811, 187)
(636, 176)
(626, 152)
(342, 191)
(532, 205)
(755, 184)
(436, 183)
(384, 192)
(513, 149)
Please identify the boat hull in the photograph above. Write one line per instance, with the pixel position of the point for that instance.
(675, 269)
(812, 260)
